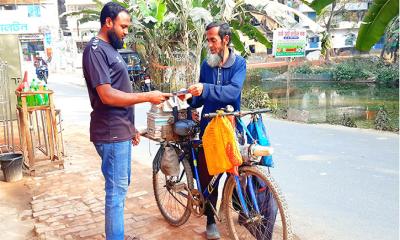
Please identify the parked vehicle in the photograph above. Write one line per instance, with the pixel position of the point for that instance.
(252, 205)
(42, 73)
(138, 73)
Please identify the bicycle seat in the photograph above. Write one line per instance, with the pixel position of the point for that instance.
(185, 127)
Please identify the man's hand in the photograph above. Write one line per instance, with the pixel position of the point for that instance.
(185, 97)
(158, 97)
(196, 89)
(136, 139)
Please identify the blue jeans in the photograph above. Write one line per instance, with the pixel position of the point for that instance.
(116, 168)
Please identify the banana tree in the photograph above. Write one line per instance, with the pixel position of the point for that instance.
(169, 27)
(326, 17)
(374, 23)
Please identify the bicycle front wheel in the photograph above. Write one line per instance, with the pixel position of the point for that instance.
(268, 220)
(172, 193)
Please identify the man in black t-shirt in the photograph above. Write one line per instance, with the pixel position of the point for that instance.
(112, 129)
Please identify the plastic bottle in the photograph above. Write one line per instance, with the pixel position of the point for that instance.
(46, 95)
(32, 97)
(39, 96)
(29, 98)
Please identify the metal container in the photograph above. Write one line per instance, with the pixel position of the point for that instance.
(159, 126)
(160, 123)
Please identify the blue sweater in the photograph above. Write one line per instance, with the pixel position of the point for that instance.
(222, 91)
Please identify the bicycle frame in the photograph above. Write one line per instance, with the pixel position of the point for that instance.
(214, 181)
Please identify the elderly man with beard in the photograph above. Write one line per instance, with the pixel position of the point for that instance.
(221, 80)
(112, 129)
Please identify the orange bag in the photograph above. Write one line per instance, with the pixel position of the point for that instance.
(220, 147)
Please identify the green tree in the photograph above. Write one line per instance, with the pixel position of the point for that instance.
(172, 31)
(327, 17)
(391, 44)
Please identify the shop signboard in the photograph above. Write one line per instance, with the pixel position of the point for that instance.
(289, 42)
(16, 23)
(15, 27)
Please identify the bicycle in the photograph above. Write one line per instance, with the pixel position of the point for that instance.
(245, 213)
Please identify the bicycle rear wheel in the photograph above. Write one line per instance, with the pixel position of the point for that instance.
(272, 219)
(172, 193)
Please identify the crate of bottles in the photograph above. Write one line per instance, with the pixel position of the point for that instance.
(35, 93)
(34, 99)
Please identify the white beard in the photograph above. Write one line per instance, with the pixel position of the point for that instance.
(214, 60)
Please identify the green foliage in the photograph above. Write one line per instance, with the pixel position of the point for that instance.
(256, 98)
(307, 68)
(237, 43)
(382, 120)
(392, 34)
(387, 75)
(356, 69)
(373, 26)
(161, 10)
(318, 5)
(303, 69)
(326, 43)
(124, 3)
(346, 71)
(348, 121)
(252, 32)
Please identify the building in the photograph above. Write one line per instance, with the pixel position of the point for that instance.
(27, 28)
(271, 15)
(344, 26)
(314, 39)
(81, 33)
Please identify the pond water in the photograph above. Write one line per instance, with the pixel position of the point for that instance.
(327, 101)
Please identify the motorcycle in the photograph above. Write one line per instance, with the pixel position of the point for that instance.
(147, 87)
(138, 74)
(42, 73)
(141, 80)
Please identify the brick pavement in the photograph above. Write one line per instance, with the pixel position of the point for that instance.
(69, 203)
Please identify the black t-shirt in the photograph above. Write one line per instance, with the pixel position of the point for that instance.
(102, 64)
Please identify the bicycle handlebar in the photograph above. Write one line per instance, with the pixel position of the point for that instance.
(238, 114)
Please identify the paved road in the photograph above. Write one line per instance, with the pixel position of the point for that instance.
(340, 183)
